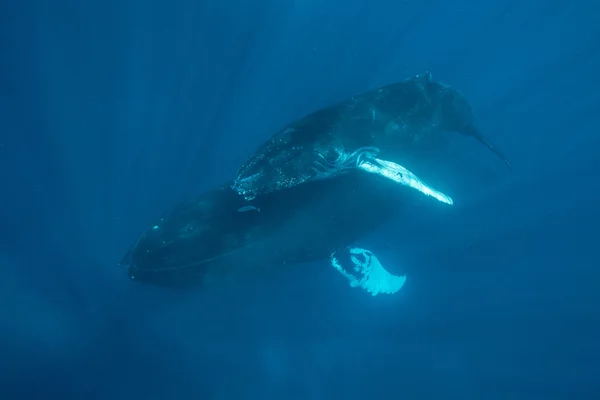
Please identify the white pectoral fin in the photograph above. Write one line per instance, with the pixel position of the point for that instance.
(363, 269)
(401, 175)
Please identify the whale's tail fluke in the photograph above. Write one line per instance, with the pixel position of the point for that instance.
(472, 131)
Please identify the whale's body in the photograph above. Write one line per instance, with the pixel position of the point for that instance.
(398, 122)
(215, 236)
(310, 192)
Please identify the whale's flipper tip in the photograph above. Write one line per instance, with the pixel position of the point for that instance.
(363, 269)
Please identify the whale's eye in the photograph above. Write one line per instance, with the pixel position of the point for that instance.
(332, 155)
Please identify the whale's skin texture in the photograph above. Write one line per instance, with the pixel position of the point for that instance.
(285, 207)
(209, 239)
(397, 121)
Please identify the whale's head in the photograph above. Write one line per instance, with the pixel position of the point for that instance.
(278, 164)
(177, 249)
(167, 252)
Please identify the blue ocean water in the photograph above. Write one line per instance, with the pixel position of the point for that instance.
(113, 111)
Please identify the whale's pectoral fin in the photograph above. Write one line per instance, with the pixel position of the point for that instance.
(401, 175)
(363, 269)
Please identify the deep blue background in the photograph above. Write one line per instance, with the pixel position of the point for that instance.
(112, 111)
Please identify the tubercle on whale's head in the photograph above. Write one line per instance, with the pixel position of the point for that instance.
(262, 172)
(288, 159)
(265, 177)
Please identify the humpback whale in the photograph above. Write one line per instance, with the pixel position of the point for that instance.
(387, 124)
(310, 193)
